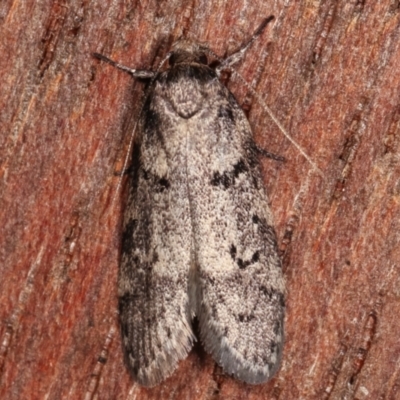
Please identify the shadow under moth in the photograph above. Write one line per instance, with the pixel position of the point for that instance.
(198, 237)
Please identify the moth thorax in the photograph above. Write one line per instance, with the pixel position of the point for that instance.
(185, 51)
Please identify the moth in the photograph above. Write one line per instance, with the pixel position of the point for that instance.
(198, 237)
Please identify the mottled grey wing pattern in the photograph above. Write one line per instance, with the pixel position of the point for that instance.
(156, 256)
(198, 236)
(239, 283)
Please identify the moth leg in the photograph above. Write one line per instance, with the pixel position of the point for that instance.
(127, 171)
(266, 153)
(238, 55)
(137, 73)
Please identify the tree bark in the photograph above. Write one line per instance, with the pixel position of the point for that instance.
(328, 70)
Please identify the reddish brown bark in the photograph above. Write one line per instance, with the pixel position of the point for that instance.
(328, 70)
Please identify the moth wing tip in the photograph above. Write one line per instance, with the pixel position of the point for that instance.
(234, 363)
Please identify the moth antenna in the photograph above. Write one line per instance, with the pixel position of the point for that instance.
(226, 65)
(238, 55)
(138, 74)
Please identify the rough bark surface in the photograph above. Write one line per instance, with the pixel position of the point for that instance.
(329, 70)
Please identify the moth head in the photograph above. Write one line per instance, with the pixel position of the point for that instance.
(185, 51)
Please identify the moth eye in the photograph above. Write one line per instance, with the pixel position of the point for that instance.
(172, 59)
(202, 59)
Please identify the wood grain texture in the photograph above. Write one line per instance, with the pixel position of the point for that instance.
(329, 72)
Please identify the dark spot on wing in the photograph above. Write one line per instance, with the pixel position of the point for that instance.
(127, 236)
(135, 168)
(245, 318)
(162, 184)
(242, 264)
(221, 180)
(256, 257)
(252, 154)
(151, 119)
(227, 178)
(277, 327)
(239, 168)
(268, 233)
(232, 101)
(158, 184)
(281, 299)
(272, 347)
(124, 304)
(255, 183)
(155, 257)
(226, 113)
(145, 174)
(264, 290)
(233, 251)
(210, 280)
